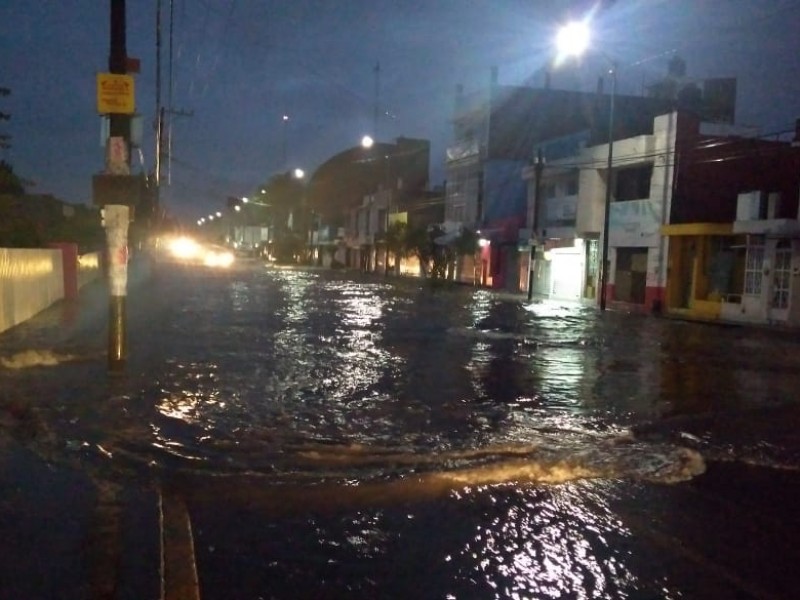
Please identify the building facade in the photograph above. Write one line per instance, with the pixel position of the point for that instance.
(734, 233)
(494, 132)
(567, 194)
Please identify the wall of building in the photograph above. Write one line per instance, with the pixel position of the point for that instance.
(713, 171)
(637, 223)
(30, 281)
(504, 190)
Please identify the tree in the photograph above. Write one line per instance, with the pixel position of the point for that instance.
(283, 193)
(419, 242)
(9, 182)
(438, 257)
(282, 197)
(397, 242)
(5, 144)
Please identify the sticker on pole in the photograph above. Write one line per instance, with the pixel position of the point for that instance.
(115, 94)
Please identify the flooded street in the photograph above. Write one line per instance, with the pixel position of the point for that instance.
(340, 435)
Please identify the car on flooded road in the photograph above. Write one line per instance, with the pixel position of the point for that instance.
(189, 251)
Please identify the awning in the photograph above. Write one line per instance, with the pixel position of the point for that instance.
(697, 229)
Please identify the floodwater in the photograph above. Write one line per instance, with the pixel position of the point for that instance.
(343, 435)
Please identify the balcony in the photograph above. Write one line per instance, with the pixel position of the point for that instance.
(635, 223)
(559, 216)
(462, 150)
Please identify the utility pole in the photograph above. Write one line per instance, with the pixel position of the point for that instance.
(285, 140)
(115, 189)
(159, 113)
(537, 187)
(173, 113)
(117, 217)
(376, 108)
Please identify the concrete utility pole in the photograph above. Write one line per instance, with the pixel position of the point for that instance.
(117, 217)
(115, 190)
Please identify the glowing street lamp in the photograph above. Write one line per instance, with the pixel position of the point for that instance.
(299, 173)
(573, 40)
(219, 215)
(367, 142)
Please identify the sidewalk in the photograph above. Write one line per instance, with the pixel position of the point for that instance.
(62, 534)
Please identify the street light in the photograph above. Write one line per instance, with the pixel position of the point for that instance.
(367, 142)
(573, 40)
(285, 137)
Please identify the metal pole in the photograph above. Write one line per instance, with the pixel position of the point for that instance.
(537, 183)
(607, 207)
(159, 114)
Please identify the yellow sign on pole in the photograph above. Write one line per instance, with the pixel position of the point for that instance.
(115, 94)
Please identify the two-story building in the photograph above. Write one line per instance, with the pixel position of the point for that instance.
(494, 131)
(703, 221)
(734, 233)
(567, 194)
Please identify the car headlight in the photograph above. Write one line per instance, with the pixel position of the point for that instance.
(184, 248)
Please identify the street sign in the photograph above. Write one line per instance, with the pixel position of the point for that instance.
(115, 94)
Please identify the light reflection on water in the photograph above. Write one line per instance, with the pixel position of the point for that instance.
(553, 544)
(311, 393)
(248, 362)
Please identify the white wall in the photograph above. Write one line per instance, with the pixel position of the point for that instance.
(88, 268)
(30, 281)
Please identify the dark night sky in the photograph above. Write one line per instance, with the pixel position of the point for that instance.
(241, 64)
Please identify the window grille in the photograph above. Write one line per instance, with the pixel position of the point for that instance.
(754, 264)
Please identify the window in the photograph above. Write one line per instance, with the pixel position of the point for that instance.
(548, 190)
(572, 184)
(633, 183)
(456, 213)
(754, 264)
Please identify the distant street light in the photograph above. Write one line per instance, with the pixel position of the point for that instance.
(219, 214)
(237, 208)
(285, 138)
(573, 40)
(299, 173)
(367, 142)
(210, 217)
